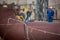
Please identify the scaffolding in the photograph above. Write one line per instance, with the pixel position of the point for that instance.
(41, 10)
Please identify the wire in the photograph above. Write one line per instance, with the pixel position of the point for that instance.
(43, 31)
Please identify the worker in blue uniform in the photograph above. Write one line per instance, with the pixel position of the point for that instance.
(50, 14)
(28, 17)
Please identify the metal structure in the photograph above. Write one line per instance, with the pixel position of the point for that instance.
(41, 10)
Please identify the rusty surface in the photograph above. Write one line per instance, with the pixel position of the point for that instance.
(44, 30)
(14, 30)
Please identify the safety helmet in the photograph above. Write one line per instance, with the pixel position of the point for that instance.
(50, 7)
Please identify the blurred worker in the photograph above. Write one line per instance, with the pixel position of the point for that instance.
(21, 16)
(16, 8)
(50, 14)
(25, 9)
(5, 4)
(28, 17)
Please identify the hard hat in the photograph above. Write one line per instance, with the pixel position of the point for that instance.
(5, 6)
(50, 7)
(26, 9)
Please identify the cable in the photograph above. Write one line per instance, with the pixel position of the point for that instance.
(43, 31)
